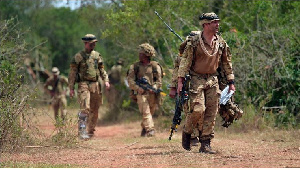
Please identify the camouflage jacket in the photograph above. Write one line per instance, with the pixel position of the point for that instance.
(192, 54)
(89, 66)
(153, 77)
(58, 86)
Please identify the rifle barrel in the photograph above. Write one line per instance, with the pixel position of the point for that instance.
(169, 26)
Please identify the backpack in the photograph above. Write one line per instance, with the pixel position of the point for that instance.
(154, 72)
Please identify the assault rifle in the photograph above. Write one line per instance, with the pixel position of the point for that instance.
(143, 83)
(181, 99)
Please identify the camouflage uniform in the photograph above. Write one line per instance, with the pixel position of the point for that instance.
(201, 61)
(114, 94)
(55, 86)
(89, 67)
(147, 102)
(173, 84)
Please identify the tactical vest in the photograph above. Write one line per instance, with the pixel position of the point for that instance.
(88, 67)
(155, 77)
(154, 70)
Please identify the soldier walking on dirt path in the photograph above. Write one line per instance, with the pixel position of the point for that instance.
(55, 86)
(147, 100)
(86, 68)
(114, 95)
(200, 60)
(173, 89)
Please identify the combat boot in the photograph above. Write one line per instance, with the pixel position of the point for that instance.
(150, 133)
(91, 133)
(82, 121)
(205, 147)
(186, 141)
(194, 141)
(143, 133)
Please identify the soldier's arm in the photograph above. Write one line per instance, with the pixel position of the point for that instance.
(46, 85)
(175, 72)
(73, 71)
(103, 73)
(182, 47)
(158, 83)
(131, 79)
(227, 64)
(186, 60)
(64, 80)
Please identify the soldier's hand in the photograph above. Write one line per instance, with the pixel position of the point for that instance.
(179, 87)
(72, 93)
(231, 87)
(151, 91)
(141, 91)
(107, 85)
(172, 92)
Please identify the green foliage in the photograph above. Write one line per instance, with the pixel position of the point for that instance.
(12, 97)
(263, 36)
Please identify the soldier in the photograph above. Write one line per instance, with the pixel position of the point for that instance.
(114, 95)
(173, 88)
(200, 59)
(56, 86)
(86, 68)
(147, 100)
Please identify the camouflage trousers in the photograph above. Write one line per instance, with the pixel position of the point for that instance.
(90, 99)
(113, 96)
(147, 105)
(203, 106)
(59, 103)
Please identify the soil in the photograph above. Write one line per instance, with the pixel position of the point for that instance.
(120, 146)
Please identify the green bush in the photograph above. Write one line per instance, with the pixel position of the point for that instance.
(13, 97)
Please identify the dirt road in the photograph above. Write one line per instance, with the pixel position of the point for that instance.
(120, 146)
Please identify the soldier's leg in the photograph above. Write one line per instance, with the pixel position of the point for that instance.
(153, 107)
(152, 103)
(212, 96)
(144, 108)
(93, 117)
(63, 107)
(84, 101)
(194, 135)
(84, 98)
(192, 118)
(55, 106)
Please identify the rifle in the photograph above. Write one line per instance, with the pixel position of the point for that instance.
(180, 101)
(169, 27)
(143, 83)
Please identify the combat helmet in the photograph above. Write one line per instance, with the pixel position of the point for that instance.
(208, 18)
(147, 49)
(90, 38)
(55, 71)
